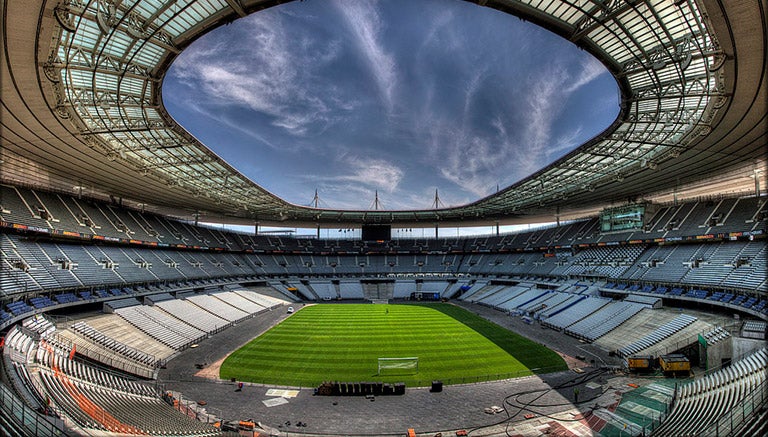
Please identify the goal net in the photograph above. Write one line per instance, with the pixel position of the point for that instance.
(380, 301)
(398, 366)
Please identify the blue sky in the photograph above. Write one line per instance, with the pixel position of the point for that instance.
(402, 97)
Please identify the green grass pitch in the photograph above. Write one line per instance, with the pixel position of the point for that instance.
(342, 342)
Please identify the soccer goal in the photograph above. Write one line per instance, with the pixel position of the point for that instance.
(398, 366)
(380, 301)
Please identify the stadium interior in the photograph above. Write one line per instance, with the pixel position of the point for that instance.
(115, 300)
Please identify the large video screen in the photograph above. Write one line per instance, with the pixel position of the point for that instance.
(377, 232)
(622, 218)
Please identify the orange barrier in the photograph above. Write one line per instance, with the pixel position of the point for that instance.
(246, 425)
(90, 408)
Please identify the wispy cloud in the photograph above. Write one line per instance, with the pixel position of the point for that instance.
(375, 173)
(517, 137)
(542, 109)
(590, 70)
(468, 159)
(545, 109)
(365, 22)
(473, 86)
(467, 149)
(232, 124)
(448, 95)
(566, 142)
(437, 28)
(270, 72)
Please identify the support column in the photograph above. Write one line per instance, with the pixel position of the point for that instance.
(674, 192)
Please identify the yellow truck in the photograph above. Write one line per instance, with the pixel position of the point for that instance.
(675, 365)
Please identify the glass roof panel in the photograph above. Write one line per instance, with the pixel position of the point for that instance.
(117, 44)
(133, 112)
(612, 40)
(189, 17)
(152, 114)
(146, 53)
(131, 85)
(662, 32)
(165, 19)
(106, 81)
(87, 35)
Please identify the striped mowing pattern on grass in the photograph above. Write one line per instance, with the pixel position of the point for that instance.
(342, 342)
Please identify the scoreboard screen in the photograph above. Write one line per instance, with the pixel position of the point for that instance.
(377, 232)
(623, 218)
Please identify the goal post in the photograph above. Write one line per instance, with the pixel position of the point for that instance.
(398, 366)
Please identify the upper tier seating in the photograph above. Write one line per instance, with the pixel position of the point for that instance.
(726, 273)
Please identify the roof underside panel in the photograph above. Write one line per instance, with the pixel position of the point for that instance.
(108, 59)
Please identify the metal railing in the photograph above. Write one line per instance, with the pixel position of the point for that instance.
(104, 356)
(731, 422)
(25, 420)
(736, 417)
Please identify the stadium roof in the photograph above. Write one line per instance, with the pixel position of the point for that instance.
(82, 108)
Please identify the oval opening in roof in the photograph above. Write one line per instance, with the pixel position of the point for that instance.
(399, 97)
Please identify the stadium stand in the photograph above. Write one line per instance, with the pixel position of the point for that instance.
(163, 327)
(216, 306)
(603, 320)
(599, 261)
(323, 289)
(562, 291)
(237, 301)
(718, 394)
(716, 335)
(193, 314)
(658, 335)
(576, 312)
(521, 298)
(94, 399)
(570, 300)
(84, 127)
(350, 290)
(262, 296)
(131, 353)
